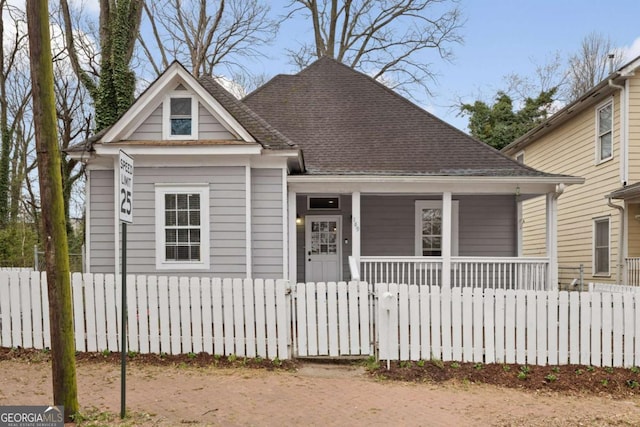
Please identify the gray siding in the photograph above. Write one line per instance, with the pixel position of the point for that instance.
(266, 223)
(227, 220)
(101, 211)
(486, 226)
(150, 129)
(210, 128)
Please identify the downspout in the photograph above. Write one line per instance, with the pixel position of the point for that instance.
(552, 235)
(623, 133)
(620, 239)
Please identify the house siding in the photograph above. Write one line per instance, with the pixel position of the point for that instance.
(266, 223)
(633, 211)
(487, 226)
(208, 127)
(634, 130)
(227, 215)
(570, 149)
(101, 221)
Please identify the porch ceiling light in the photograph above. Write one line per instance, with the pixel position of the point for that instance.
(299, 220)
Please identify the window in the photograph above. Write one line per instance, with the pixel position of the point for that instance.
(180, 116)
(324, 202)
(182, 227)
(520, 157)
(601, 245)
(604, 132)
(429, 228)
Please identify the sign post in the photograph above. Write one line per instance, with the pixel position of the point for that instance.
(125, 208)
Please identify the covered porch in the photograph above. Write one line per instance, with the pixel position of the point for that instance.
(434, 231)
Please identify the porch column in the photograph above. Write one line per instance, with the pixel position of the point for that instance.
(552, 241)
(355, 228)
(292, 211)
(446, 239)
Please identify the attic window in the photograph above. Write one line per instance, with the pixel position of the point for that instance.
(180, 116)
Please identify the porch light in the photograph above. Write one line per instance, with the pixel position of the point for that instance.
(517, 190)
(299, 220)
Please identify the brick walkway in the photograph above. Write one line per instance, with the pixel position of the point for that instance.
(317, 395)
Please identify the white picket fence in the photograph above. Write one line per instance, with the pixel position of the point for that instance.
(165, 314)
(506, 326)
(270, 319)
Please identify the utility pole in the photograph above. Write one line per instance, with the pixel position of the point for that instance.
(63, 362)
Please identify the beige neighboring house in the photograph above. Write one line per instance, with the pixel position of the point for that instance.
(596, 137)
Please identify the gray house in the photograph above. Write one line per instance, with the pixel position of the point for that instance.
(324, 175)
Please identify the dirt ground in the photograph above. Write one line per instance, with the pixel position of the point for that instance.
(199, 394)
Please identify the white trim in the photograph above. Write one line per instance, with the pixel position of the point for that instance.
(436, 204)
(518, 154)
(188, 150)
(598, 108)
(606, 219)
(248, 221)
(355, 227)
(519, 226)
(166, 116)
(293, 235)
(203, 189)
(285, 227)
(87, 223)
(446, 236)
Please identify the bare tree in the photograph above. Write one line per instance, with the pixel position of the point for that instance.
(203, 36)
(388, 39)
(591, 64)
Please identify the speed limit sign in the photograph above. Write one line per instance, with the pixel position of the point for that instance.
(125, 202)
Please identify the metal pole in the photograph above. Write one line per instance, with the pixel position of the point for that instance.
(123, 323)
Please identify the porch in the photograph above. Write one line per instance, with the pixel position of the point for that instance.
(461, 238)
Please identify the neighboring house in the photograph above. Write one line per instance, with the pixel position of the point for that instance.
(306, 172)
(596, 137)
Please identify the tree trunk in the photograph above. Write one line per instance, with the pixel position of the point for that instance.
(53, 218)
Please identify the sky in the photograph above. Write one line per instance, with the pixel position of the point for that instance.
(501, 37)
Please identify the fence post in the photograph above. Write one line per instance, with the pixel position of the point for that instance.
(581, 277)
(35, 258)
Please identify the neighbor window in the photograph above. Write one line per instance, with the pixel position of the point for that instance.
(601, 247)
(429, 228)
(520, 157)
(182, 219)
(180, 116)
(604, 129)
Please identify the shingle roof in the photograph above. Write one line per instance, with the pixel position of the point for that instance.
(347, 123)
(263, 132)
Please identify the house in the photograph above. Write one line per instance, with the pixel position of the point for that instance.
(320, 176)
(596, 137)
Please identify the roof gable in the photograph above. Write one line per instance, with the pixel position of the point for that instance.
(174, 77)
(348, 123)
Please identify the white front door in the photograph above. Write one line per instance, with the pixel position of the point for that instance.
(323, 255)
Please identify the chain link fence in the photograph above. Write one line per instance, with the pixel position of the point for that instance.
(76, 261)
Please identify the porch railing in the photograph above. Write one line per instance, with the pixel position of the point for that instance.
(633, 271)
(477, 272)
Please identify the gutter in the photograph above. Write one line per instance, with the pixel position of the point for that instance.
(624, 146)
(619, 263)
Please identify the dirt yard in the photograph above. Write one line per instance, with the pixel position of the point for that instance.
(196, 394)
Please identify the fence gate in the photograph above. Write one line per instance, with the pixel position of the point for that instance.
(333, 319)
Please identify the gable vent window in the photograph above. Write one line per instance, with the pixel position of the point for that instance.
(181, 116)
(325, 203)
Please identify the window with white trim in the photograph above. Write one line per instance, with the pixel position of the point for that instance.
(182, 226)
(520, 157)
(428, 217)
(601, 246)
(604, 132)
(180, 116)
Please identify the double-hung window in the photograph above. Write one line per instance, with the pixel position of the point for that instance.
(604, 132)
(601, 246)
(182, 227)
(180, 116)
(428, 217)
